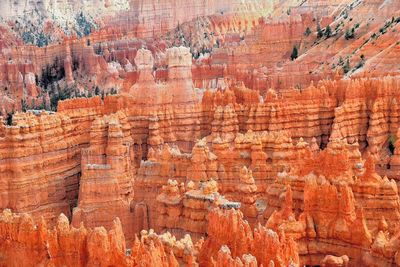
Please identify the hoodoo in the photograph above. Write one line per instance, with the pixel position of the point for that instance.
(200, 133)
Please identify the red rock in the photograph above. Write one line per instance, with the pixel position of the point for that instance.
(335, 261)
(106, 185)
(227, 228)
(304, 153)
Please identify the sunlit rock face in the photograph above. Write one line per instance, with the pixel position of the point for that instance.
(199, 133)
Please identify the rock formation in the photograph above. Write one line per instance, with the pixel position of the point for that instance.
(37, 244)
(228, 231)
(106, 184)
(185, 210)
(199, 133)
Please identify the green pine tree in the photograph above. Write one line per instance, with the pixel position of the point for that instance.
(295, 53)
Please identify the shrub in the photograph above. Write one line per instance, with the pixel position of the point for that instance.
(113, 91)
(391, 145)
(328, 31)
(84, 25)
(349, 34)
(346, 66)
(295, 53)
(52, 73)
(42, 40)
(57, 94)
(28, 38)
(307, 32)
(361, 63)
(320, 33)
(24, 106)
(9, 118)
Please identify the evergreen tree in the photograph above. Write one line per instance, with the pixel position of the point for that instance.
(346, 67)
(349, 34)
(341, 62)
(320, 33)
(9, 118)
(307, 32)
(328, 31)
(295, 53)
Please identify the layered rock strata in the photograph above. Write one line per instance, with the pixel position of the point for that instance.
(106, 184)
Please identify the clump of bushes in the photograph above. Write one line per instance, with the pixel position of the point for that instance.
(84, 25)
(38, 38)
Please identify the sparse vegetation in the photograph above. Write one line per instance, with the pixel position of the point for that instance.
(320, 33)
(361, 63)
(391, 145)
(307, 32)
(341, 62)
(42, 40)
(349, 34)
(52, 73)
(113, 91)
(56, 95)
(388, 23)
(346, 66)
(295, 53)
(36, 38)
(97, 50)
(23, 105)
(97, 90)
(84, 25)
(328, 31)
(345, 14)
(9, 118)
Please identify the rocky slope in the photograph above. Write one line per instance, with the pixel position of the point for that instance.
(188, 133)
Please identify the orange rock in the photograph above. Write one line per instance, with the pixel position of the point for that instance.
(106, 185)
(306, 154)
(229, 236)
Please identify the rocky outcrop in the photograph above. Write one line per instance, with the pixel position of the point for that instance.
(185, 210)
(225, 124)
(40, 164)
(181, 89)
(106, 184)
(35, 243)
(247, 189)
(330, 260)
(25, 243)
(229, 236)
(145, 89)
(340, 164)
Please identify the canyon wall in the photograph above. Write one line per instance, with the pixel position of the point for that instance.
(241, 129)
(213, 133)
